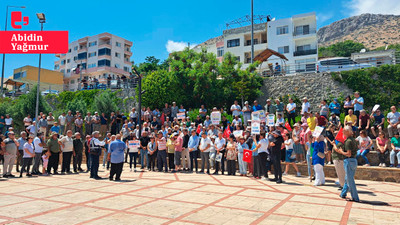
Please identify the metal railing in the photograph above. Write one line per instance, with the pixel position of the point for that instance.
(305, 52)
(311, 31)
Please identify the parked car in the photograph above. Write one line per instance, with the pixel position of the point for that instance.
(339, 64)
(46, 92)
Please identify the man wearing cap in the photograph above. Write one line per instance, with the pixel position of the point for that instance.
(67, 151)
(305, 106)
(269, 108)
(116, 157)
(38, 144)
(53, 145)
(78, 150)
(9, 149)
(95, 151)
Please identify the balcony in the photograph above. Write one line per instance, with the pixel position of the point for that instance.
(305, 52)
(304, 33)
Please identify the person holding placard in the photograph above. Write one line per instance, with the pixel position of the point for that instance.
(162, 152)
(220, 147)
(133, 151)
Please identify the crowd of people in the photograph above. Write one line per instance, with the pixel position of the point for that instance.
(170, 141)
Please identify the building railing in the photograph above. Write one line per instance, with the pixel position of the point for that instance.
(305, 52)
(311, 31)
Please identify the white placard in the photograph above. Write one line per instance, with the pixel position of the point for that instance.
(317, 131)
(376, 107)
(215, 117)
(181, 116)
(237, 133)
(255, 127)
(255, 116)
(271, 120)
(134, 145)
(262, 115)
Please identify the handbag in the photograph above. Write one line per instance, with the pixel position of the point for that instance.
(218, 158)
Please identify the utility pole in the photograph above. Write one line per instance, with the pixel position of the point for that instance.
(140, 99)
(252, 31)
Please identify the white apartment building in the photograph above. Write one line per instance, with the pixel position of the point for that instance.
(294, 37)
(99, 56)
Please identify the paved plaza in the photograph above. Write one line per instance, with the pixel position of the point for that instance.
(166, 198)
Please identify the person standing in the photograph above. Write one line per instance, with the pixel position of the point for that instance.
(161, 144)
(178, 142)
(242, 164)
(21, 140)
(324, 109)
(144, 141)
(246, 113)
(262, 148)
(38, 144)
(62, 120)
(235, 109)
(8, 121)
(9, 150)
(116, 157)
(291, 111)
(185, 151)
(50, 122)
(103, 124)
(88, 124)
(174, 111)
(318, 159)
(67, 151)
(219, 144)
(350, 164)
(78, 124)
(78, 150)
(95, 151)
(53, 145)
(395, 144)
(204, 147)
(276, 147)
(152, 152)
(69, 118)
(393, 119)
(28, 154)
(358, 104)
(43, 126)
(193, 153)
(96, 122)
(280, 108)
(231, 155)
(305, 106)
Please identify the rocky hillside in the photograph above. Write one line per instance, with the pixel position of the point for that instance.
(373, 30)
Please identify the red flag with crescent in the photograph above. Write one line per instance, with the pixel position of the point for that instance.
(247, 154)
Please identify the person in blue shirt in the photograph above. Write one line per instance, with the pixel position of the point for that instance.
(193, 153)
(318, 159)
(55, 128)
(242, 164)
(334, 107)
(256, 106)
(116, 155)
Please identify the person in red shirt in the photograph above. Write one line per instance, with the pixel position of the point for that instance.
(321, 120)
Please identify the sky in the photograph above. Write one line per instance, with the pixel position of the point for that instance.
(158, 27)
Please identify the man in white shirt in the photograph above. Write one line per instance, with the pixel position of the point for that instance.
(219, 144)
(38, 144)
(393, 119)
(27, 121)
(133, 115)
(31, 128)
(61, 121)
(291, 110)
(305, 106)
(236, 109)
(50, 121)
(9, 121)
(205, 144)
(67, 144)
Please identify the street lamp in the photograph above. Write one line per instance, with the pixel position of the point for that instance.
(139, 76)
(42, 20)
(4, 55)
(252, 31)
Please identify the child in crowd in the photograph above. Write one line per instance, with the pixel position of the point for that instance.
(45, 158)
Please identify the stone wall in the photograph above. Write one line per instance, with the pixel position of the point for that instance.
(314, 86)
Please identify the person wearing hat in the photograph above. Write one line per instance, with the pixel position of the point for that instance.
(95, 151)
(276, 146)
(246, 112)
(269, 108)
(305, 106)
(78, 150)
(53, 146)
(67, 144)
(9, 149)
(116, 156)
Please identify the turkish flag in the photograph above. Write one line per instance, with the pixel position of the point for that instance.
(340, 137)
(227, 133)
(162, 118)
(287, 125)
(247, 154)
(198, 129)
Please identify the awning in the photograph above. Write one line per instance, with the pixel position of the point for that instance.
(264, 55)
(13, 82)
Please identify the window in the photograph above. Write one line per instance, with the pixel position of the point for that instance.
(302, 30)
(82, 46)
(62, 71)
(69, 50)
(84, 66)
(75, 58)
(104, 51)
(220, 51)
(283, 49)
(56, 67)
(72, 82)
(248, 42)
(126, 59)
(82, 55)
(68, 60)
(92, 54)
(63, 62)
(75, 48)
(92, 65)
(128, 49)
(282, 30)
(118, 55)
(68, 70)
(233, 43)
(117, 44)
(94, 43)
(117, 65)
(303, 48)
(20, 75)
(103, 62)
(127, 69)
(238, 58)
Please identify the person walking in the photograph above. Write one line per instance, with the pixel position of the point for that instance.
(116, 157)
